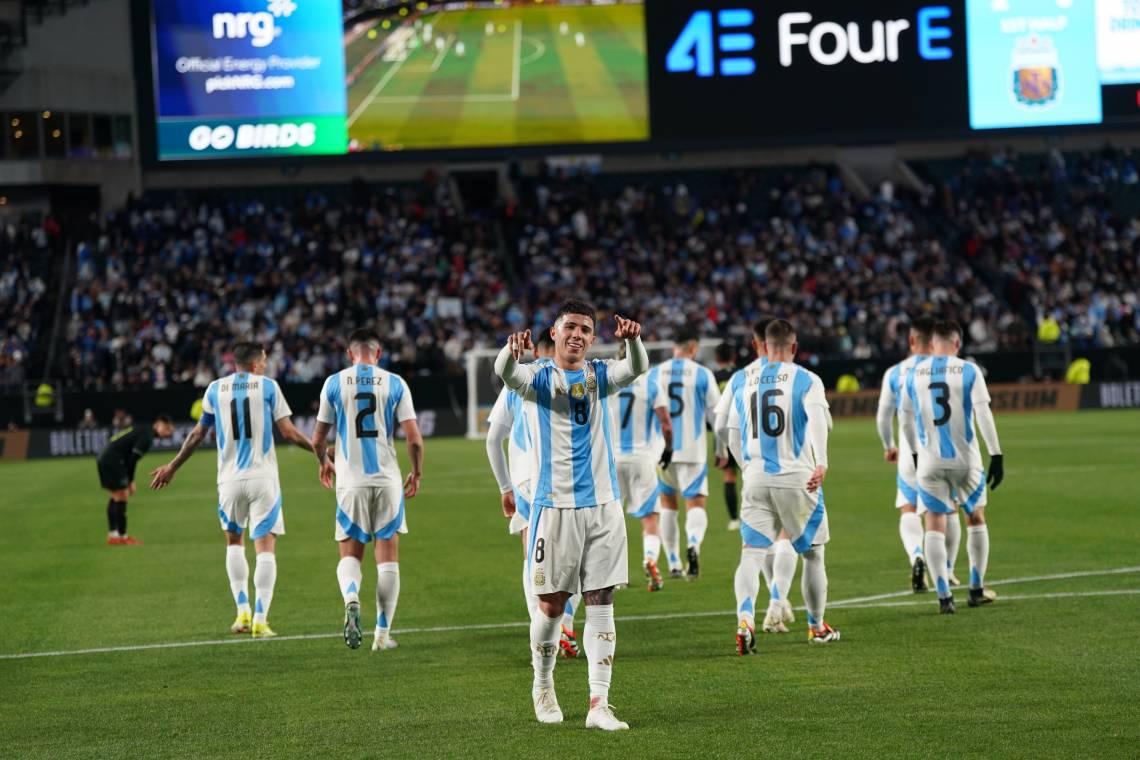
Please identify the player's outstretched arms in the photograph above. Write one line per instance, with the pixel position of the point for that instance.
(416, 455)
(507, 366)
(325, 468)
(294, 436)
(161, 477)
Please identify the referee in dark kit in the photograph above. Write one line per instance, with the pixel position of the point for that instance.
(117, 463)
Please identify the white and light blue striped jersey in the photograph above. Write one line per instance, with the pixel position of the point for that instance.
(773, 417)
(242, 408)
(692, 393)
(571, 428)
(510, 411)
(891, 393)
(638, 433)
(940, 396)
(366, 404)
(734, 396)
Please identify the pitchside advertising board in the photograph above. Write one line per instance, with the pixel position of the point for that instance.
(240, 78)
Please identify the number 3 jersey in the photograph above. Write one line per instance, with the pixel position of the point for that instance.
(366, 404)
(940, 397)
(777, 404)
(242, 408)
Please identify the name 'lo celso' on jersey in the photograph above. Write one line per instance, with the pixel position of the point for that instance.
(242, 408)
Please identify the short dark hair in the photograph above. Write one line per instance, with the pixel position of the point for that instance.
(725, 352)
(760, 327)
(362, 336)
(577, 306)
(164, 418)
(247, 352)
(947, 329)
(923, 328)
(544, 341)
(685, 335)
(779, 332)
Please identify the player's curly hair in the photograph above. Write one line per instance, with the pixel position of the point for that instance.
(576, 306)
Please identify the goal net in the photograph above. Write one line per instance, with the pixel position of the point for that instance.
(483, 385)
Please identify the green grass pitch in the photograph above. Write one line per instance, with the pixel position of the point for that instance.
(1051, 670)
(512, 76)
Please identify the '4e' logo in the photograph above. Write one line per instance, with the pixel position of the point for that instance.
(696, 47)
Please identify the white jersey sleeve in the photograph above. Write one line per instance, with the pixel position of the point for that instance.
(366, 404)
(242, 408)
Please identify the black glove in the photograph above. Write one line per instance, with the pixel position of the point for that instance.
(666, 457)
(997, 472)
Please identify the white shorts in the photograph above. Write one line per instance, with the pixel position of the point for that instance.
(637, 479)
(766, 511)
(577, 549)
(253, 505)
(690, 479)
(942, 491)
(521, 518)
(370, 512)
(905, 480)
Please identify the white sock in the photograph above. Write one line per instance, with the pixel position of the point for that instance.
(237, 568)
(783, 569)
(572, 605)
(696, 525)
(953, 539)
(768, 567)
(748, 583)
(264, 579)
(601, 641)
(544, 635)
(978, 550)
(652, 544)
(387, 594)
(814, 585)
(671, 538)
(935, 543)
(349, 576)
(910, 531)
(531, 599)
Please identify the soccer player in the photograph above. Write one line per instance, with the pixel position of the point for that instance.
(577, 530)
(890, 396)
(692, 394)
(242, 409)
(725, 369)
(366, 403)
(508, 422)
(780, 436)
(117, 462)
(644, 440)
(943, 399)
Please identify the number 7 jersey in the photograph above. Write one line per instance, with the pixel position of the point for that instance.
(940, 397)
(366, 404)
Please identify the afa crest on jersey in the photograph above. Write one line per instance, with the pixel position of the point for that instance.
(1036, 72)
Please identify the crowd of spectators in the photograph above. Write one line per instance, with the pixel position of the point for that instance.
(168, 286)
(25, 255)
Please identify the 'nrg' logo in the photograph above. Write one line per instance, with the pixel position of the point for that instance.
(699, 42)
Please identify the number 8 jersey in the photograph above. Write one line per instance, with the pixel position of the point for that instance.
(366, 404)
(940, 397)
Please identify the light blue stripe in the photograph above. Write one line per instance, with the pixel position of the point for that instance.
(975, 578)
(676, 375)
(265, 527)
(737, 67)
(908, 491)
(650, 505)
(893, 384)
(242, 437)
(518, 422)
(545, 488)
(332, 393)
(933, 503)
(734, 17)
(736, 43)
(269, 394)
(390, 529)
(915, 403)
(694, 488)
(522, 506)
(969, 377)
(769, 449)
(746, 606)
(651, 421)
(381, 620)
(972, 499)
(665, 488)
(703, 375)
(603, 398)
(370, 461)
(774, 592)
(737, 390)
(581, 452)
(753, 537)
(945, 441)
(351, 529)
(800, 387)
(227, 524)
(395, 396)
(219, 422)
(803, 543)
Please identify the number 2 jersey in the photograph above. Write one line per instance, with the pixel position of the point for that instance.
(366, 404)
(242, 408)
(692, 395)
(941, 398)
(782, 414)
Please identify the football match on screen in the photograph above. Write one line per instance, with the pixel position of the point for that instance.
(617, 378)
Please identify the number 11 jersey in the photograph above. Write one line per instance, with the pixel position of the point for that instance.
(940, 397)
(242, 408)
(366, 404)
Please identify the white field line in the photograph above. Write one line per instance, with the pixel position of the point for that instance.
(854, 603)
(516, 64)
(376, 91)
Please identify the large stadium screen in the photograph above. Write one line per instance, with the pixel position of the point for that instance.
(239, 78)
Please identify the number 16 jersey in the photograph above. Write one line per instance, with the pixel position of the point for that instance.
(939, 399)
(366, 404)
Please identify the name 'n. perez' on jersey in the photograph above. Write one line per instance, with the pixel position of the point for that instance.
(242, 408)
(940, 396)
(366, 404)
(692, 393)
(638, 429)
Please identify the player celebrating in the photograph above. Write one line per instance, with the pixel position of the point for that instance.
(943, 398)
(577, 532)
(890, 396)
(366, 403)
(117, 462)
(780, 436)
(692, 393)
(644, 440)
(508, 422)
(725, 369)
(242, 409)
